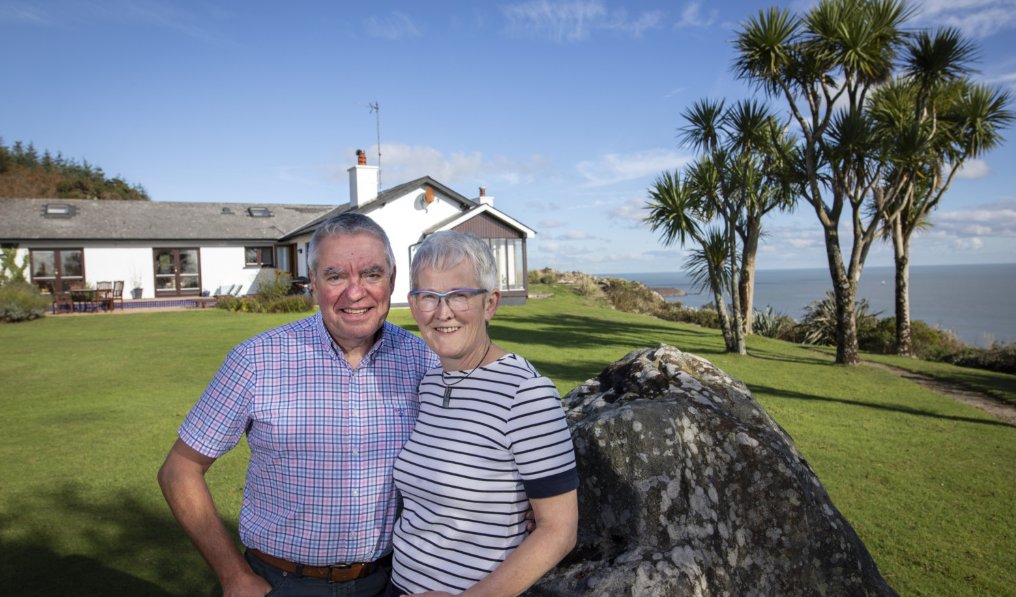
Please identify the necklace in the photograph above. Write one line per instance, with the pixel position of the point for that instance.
(448, 386)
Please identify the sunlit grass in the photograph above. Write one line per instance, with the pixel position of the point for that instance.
(91, 404)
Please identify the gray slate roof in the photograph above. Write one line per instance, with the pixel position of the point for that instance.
(24, 219)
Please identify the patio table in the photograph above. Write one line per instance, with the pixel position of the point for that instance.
(84, 299)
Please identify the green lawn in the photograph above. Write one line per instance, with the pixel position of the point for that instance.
(91, 404)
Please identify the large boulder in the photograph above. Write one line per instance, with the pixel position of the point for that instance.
(688, 487)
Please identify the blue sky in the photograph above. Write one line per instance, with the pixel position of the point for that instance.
(565, 111)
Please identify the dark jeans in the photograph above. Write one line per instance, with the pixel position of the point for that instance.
(288, 585)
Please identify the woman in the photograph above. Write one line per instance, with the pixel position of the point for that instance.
(491, 443)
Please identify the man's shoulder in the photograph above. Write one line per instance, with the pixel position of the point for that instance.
(298, 330)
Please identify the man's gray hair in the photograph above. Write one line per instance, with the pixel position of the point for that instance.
(348, 224)
(445, 250)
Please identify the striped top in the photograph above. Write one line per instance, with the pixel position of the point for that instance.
(468, 470)
(323, 438)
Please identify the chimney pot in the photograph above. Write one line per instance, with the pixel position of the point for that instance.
(483, 191)
(361, 157)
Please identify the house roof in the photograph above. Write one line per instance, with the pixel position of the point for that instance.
(107, 220)
(26, 219)
(384, 197)
(458, 218)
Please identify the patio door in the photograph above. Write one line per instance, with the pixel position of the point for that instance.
(177, 272)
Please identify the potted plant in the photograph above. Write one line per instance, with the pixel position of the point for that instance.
(136, 289)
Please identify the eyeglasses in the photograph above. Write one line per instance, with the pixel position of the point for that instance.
(457, 300)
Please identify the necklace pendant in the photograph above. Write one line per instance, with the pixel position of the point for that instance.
(447, 397)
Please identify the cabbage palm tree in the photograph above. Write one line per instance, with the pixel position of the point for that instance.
(680, 213)
(743, 172)
(707, 268)
(931, 120)
(824, 65)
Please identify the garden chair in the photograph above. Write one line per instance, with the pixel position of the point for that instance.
(104, 295)
(117, 295)
(62, 300)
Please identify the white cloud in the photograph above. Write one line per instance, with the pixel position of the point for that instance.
(550, 223)
(968, 244)
(972, 169)
(400, 163)
(631, 212)
(23, 13)
(975, 18)
(574, 21)
(572, 235)
(998, 219)
(395, 25)
(691, 16)
(612, 168)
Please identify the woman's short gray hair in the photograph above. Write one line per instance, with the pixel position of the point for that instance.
(348, 224)
(444, 250)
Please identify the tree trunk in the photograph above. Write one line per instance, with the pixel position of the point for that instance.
(737, 327)
(721, 312)
(901, 256)
(747, 278)
(845, 292)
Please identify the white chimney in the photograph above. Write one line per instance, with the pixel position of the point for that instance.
(362, 181)
(484, 199)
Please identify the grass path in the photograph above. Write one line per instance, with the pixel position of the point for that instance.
(971, 397)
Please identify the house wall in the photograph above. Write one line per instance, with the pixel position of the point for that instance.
(133, 265)
(404, 220)
(222, 265)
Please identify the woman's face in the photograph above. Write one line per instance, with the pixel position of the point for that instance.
(458, 337)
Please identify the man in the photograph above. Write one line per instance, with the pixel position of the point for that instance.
(327, 403)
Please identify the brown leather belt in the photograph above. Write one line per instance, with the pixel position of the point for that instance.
(333, 573)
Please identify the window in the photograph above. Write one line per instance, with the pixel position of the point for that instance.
(57, 270)
(259, 256)
(508, 254)
(259, 212)
(60, 210)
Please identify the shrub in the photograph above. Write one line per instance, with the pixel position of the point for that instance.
(999, 357)
(771, 324)
(227, 302)
(631, 297)
(278, 288)
(268, 301)
(291, 304)
(818, 326)
(928, 343)
(544, 276)
(20, 301)
(704, 316)
(585, 286)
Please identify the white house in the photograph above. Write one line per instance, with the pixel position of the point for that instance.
(177, 249)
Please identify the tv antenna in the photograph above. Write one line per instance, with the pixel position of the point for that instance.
(375, 108)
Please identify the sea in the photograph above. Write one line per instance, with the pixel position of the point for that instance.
(974, 301)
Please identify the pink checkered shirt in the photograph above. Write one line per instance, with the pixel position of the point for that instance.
(323, 438)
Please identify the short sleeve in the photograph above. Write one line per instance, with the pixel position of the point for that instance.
(541, 442)
(219, 418)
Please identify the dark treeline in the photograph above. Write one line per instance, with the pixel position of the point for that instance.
(24, 173)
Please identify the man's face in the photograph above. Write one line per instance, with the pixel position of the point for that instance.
(353, 287)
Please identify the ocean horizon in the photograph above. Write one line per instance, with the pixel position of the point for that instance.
(973, 301)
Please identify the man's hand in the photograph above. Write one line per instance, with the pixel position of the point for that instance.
(247, 585)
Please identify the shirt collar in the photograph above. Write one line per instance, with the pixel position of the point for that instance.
(331, 344)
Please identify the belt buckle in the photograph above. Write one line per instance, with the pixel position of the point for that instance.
(335, 567)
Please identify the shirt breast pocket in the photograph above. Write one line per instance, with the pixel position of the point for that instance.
(395, 421)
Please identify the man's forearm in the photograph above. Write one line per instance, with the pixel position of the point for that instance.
(183, 485)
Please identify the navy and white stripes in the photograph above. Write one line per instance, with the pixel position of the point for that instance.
(467, 472)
